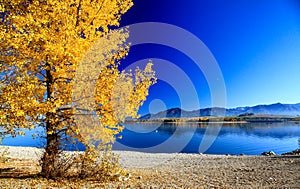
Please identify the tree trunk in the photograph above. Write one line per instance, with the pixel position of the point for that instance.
(49, 164)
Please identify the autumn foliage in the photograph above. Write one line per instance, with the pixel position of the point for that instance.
(59, 70)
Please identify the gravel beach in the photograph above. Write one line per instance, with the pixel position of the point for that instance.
(148, 170)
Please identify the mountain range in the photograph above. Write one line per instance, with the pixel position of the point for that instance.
(272, 109)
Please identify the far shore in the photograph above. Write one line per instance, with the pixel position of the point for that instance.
(209, 122)
(228, 119)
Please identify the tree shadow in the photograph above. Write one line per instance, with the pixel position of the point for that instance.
(17, 168)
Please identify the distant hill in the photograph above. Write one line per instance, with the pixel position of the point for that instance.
(272, 109)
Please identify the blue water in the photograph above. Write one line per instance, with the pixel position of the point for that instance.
(246, 138)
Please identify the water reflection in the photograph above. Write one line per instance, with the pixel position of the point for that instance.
(233, 138)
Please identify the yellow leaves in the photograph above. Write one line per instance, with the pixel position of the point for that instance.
(77, 131)
(50, 132)
(21, 133)
(20, 113)
(117, 95)
(48, 49)
(2, 9)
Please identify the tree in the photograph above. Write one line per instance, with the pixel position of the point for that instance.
(49, 53)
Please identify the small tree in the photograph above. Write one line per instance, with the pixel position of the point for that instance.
(59, 60)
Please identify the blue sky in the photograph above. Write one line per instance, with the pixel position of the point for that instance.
(256, 44)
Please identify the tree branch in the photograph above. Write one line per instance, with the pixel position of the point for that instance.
(77, 14)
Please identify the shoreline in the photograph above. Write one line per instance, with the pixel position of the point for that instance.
(33, 151)
(180, 170)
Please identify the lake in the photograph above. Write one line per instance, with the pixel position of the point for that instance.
(209, 138)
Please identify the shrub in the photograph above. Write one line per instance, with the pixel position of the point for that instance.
(90, 164)
(4, 154)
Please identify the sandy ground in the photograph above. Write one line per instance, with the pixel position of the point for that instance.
(149, 170)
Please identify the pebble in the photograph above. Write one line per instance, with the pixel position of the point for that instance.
(272, 179)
